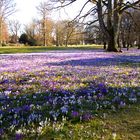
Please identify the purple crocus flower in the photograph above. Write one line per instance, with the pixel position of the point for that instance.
(26, 107)
(75, 114)
(100, 95)
(1, 131)
(18, 136)
(102, 88)
(5, 81)
(101, 85)
(122, 103)
(17, 110)
(87, 117)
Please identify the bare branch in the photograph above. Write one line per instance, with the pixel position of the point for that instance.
(130, 5)
(62, 5)
(82, 9)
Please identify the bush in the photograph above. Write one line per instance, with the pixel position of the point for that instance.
(27, 40)
(32, 42)
(24, 39)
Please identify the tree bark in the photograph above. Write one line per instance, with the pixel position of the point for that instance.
(44, 34)
(1, 32)
(111, 30)
(112, 42)
(139, 42)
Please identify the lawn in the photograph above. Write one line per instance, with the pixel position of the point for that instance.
(35, 49)
(87, 94)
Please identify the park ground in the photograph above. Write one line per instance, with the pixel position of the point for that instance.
(74, 93)
(38, 49)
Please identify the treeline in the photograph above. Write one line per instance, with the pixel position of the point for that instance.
(46, 32)
(40, 32)
(60, 33)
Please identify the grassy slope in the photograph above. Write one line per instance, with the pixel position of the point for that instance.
(29, 49)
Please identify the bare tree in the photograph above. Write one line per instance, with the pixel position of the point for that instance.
(59, 33)
(127, 33)
(109, 13)
(69, 28)
(130, 28)
(67, 32)
(14, 27)
(7, 7)
(44, 12)
(35, 32)
(136, 19)
(30, 29)
(5, 35)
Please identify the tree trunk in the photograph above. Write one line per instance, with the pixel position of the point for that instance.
(119, 44)
(124, 44)
(44, 30)
(112, 41)
(127, 46)
(0, 32)
(104, 45)
(66, 43)
(112, 44)
(138, 46)
(139, 42)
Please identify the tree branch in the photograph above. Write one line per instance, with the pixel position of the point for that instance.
(129, 5)
(81, 9)
(62, 6)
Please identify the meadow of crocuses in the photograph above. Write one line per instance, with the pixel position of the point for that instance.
(40, 89)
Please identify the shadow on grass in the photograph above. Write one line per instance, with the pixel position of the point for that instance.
(115, 60)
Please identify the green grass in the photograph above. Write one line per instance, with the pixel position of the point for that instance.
(120, 125)
(35, 49)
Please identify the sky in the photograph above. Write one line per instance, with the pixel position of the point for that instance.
(26, 11)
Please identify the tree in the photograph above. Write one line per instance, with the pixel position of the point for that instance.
(35, 34)
(93, 34)
(127, 35)
(7, 7)
(5, 34)
(14, 26)
(67, 32)
(136, 18)
(30, 31)
(74, 33)
(48, 32)
(109, 13)
(130, 28)
(113, 10)
(44, 12)
(59, 33)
